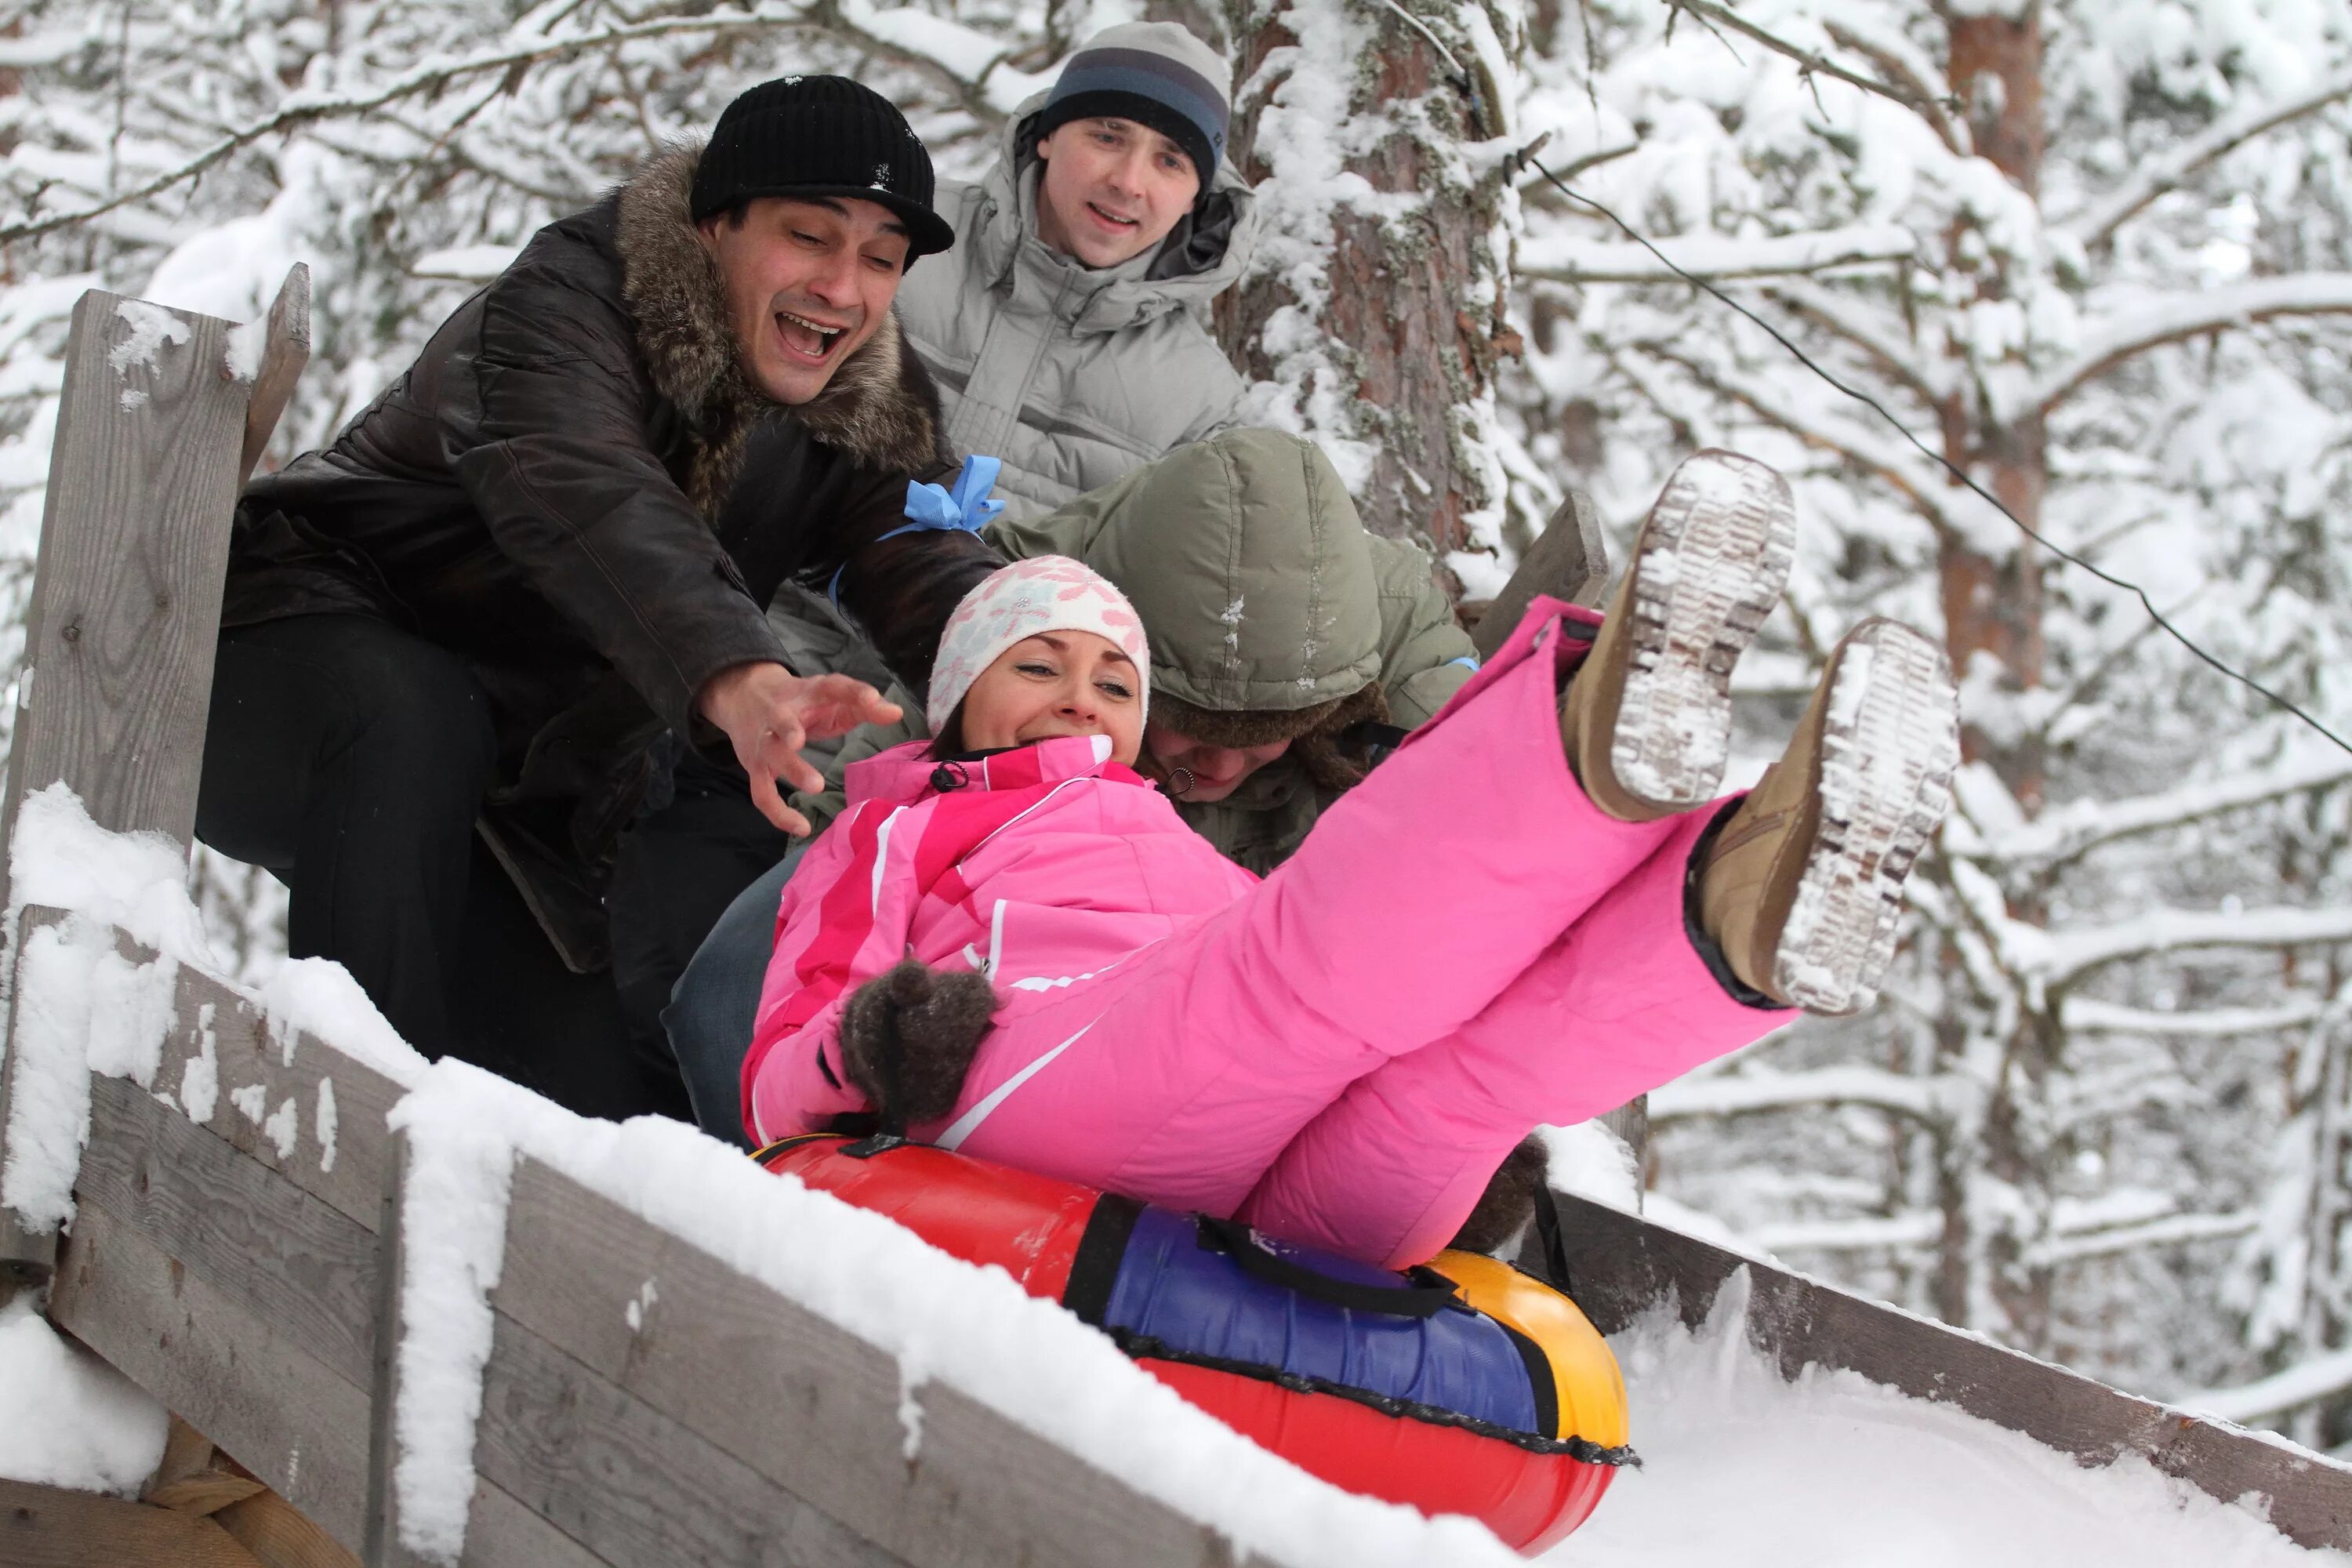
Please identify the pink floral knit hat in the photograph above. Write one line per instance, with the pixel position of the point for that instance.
(1045, 594)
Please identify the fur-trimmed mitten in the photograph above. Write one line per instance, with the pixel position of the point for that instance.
(1509, 1201)
(907, 1038)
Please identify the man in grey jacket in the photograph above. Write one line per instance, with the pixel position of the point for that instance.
(1068, 333)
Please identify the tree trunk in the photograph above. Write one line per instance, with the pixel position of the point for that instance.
(1376, 302)
(1993, 601)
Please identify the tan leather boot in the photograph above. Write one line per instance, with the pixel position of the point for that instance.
(1803, 887)
(1647, 719)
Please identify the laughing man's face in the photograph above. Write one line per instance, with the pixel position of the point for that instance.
(807, 282)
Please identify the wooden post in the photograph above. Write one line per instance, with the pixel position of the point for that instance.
(1569, 560)
(1631, 1122)
(158, 410)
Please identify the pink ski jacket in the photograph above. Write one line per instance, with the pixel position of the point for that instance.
(1041, 868)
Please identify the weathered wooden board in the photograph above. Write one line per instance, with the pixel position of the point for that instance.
(274, 1251)
(42, 1527)
(1620, 1265)
(127, 593)
(633, 1484)
(298, 1067)
(813, 1408)
(125, 610)
(1569, 560)
(281, 1413)
(286, 349)
(502, 1533)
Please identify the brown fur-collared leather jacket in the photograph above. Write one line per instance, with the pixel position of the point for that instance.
(577, 490)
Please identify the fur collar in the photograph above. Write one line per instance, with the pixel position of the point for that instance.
(879, 410)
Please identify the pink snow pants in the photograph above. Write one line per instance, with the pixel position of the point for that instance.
(1464, 947)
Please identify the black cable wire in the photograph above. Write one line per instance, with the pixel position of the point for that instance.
(1947, 464)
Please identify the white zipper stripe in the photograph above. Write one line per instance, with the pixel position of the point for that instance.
(969, 1123)
(882, 855)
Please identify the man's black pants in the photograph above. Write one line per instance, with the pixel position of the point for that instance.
(351, 759)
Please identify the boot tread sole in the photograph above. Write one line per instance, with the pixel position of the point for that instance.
(1889, 747)
(1712, 559)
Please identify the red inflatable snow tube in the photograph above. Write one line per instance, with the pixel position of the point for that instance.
(1465, 1387)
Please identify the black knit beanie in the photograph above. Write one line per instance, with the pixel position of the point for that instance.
(820, 136)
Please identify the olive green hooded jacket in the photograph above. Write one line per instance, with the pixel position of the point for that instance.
(1261, 592)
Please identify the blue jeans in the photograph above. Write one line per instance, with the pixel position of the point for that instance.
(716, 1000)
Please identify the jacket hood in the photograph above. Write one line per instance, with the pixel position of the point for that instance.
(909, 772)
(1245, 558)
(879, 407)
(1205, 256)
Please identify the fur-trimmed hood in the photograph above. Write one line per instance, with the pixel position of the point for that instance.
(880, 407)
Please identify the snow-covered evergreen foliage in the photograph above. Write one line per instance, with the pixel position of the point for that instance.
(2102, 262)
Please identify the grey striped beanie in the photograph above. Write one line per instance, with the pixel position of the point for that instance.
(1156, 74)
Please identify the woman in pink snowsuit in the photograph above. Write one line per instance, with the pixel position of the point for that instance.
(1529, 913)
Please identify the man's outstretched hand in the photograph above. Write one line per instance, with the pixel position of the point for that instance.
(770, 714)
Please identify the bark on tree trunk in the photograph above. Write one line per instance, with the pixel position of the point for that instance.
(1382, 321)
(1993, 602)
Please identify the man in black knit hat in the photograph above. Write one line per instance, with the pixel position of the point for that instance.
(496, 695)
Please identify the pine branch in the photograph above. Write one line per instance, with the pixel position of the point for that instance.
(1713, 256)
(1810, 60)
(1933, 1100)
(2067, 956)
(1893, 465)
(2063, 835)
(2083, 1015)
(2129, 333)
(434, 77)
(1828, 310)
(2166, 1230)
(2097, 224)
(2305, 1382)
(1902, 67)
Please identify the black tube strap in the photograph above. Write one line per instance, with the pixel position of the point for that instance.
(1429, 1293)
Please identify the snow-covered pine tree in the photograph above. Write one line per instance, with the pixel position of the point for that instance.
(1382, 135)
(2094, 254)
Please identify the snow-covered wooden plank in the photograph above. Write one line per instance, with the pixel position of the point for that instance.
(333, 1144)
(811, 1407)
(43, 1527)
(125, 609)
(275, 1252)
(1621, 1265)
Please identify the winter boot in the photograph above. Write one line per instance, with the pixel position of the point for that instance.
(1647, 718)
(1802, 889)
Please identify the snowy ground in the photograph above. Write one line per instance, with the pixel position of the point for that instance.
(1834, 1471)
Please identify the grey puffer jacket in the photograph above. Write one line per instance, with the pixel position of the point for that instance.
(1075, 377)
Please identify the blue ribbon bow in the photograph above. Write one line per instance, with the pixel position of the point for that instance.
(931, 509)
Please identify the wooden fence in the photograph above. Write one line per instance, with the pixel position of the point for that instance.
(251, 1283)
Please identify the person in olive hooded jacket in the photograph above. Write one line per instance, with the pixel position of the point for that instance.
(524, 591)
(1291, 648)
